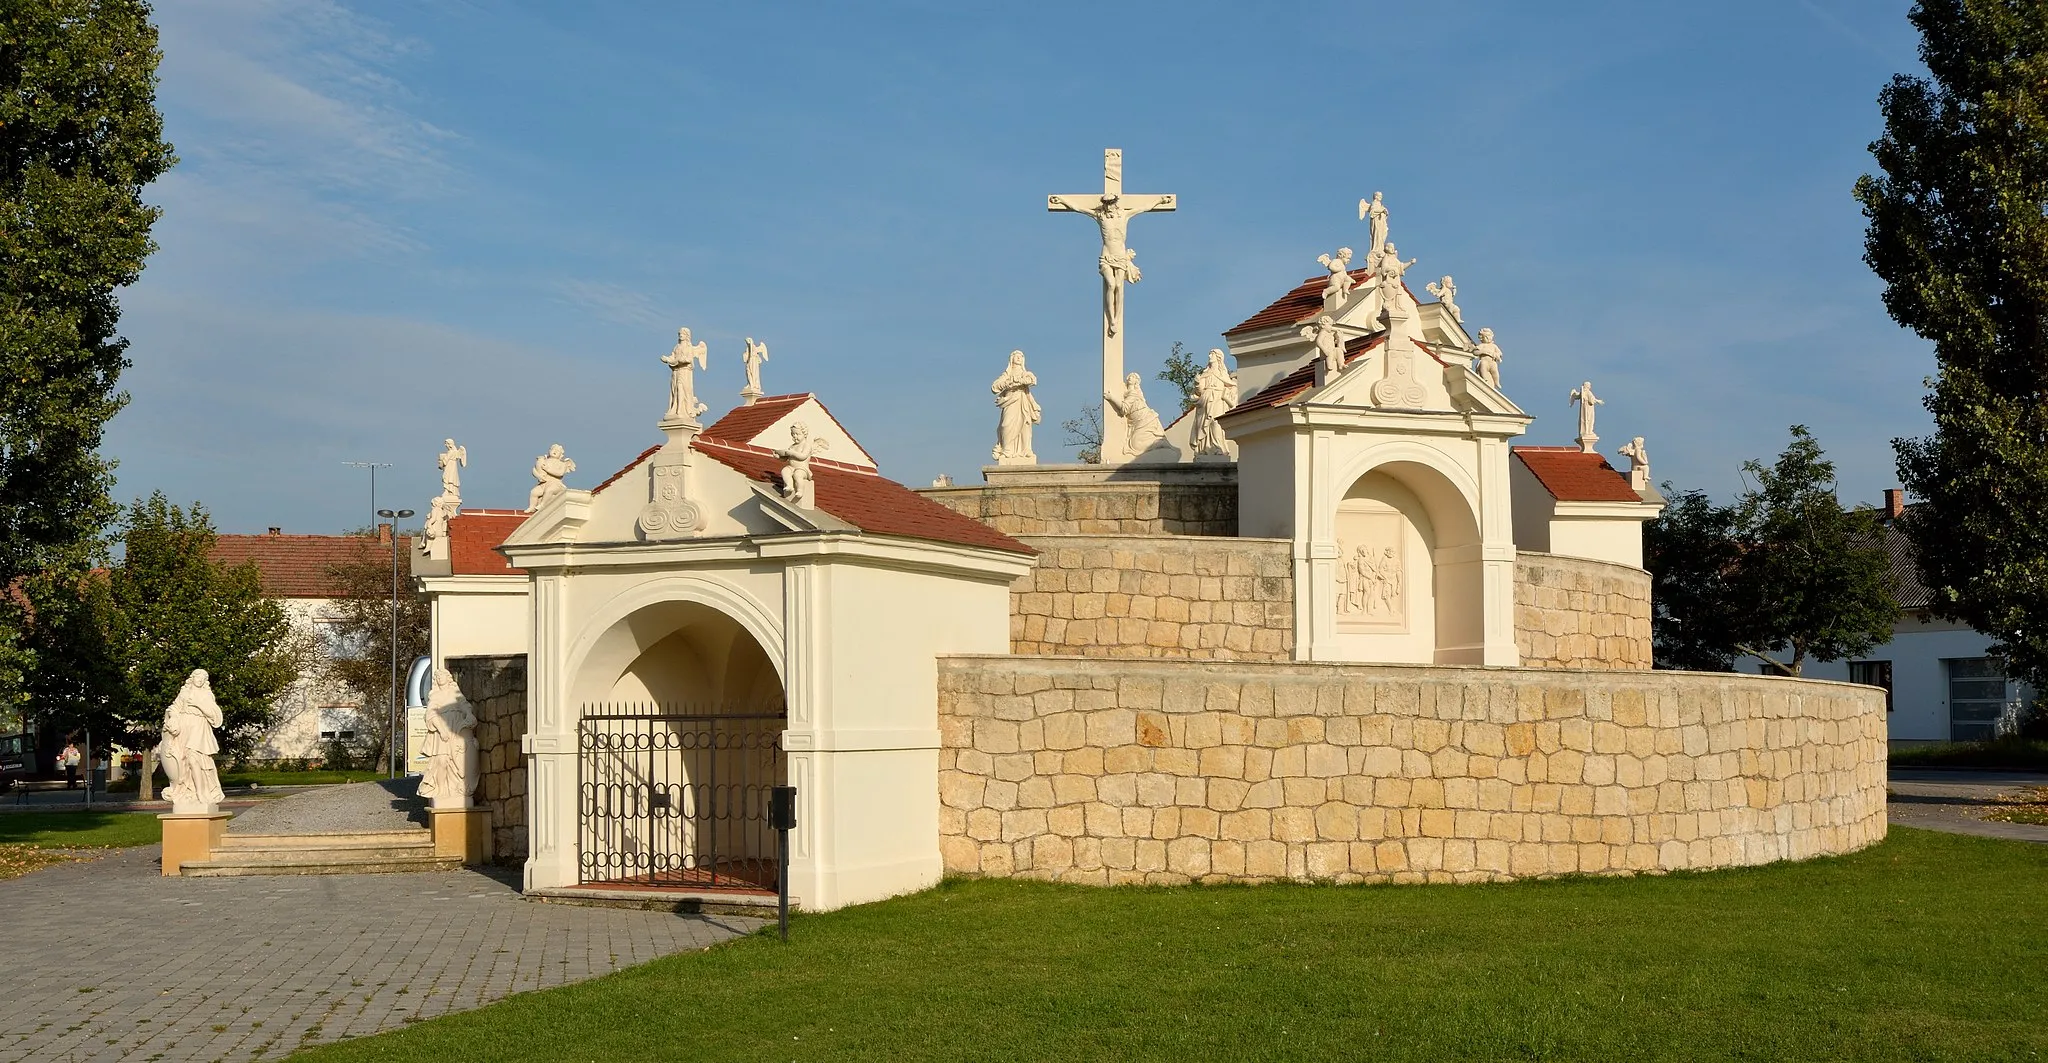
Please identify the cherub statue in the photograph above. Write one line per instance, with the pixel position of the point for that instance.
(1329, 344)
(548, 470)
(1638, 464)
(1446, 292)
(798, 485)
(439, 512)
(1486, 359)
(1341, 282)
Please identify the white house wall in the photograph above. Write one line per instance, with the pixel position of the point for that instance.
(1917, 651)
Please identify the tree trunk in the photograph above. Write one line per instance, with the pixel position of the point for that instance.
(146, 786)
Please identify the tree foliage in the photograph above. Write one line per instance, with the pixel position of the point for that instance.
(115, 646)
(1958, 232)
(1181, 371)
(1084, 434)
(1785, 575)
(359, 656)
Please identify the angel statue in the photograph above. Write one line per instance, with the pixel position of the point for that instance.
(683, 361)
(1341, 281)
(548, 470)
(1446, 292)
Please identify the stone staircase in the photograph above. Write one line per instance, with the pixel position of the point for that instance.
(354, 853)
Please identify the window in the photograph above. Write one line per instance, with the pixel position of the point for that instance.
(1873, 674)
(1976, 697)
(337, 721)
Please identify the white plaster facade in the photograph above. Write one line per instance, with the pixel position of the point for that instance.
(769, 606)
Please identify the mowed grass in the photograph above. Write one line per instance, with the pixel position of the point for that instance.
(31, 841)
(2009, 753)
(311, 777)
(1927, 947)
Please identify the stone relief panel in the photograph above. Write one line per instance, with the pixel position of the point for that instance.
(1372, 567)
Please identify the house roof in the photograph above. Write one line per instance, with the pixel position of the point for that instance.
(1283, 390)
(744, 424)
(1306, 298)
(297, 566)
(1898, 549)
(1572, 475)
(854, 494)
(474, 536)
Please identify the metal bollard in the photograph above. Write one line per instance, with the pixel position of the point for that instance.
(782, 817)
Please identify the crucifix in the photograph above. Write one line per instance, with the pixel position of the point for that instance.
(1112, 211)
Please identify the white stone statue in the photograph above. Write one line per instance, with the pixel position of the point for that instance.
(450, 774)
(1388, 268)
(1374, 213)
(1215, 395)
(1583, 397)
(548, 470)
(1341, 281)
(1141, 421)
(1112, 212)
(798, 485)
(1020, 411)
(439, 512)
(1486, 359)
(188, 747)
(683, 361)
(1329, 341)
(755, 354)
(1638, 464)
(452, 460)
(1446, 292)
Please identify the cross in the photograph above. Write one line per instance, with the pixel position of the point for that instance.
(1112, 211)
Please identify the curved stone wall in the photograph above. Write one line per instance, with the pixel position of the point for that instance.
(1094, 500)
(1575, 613)
(1155, 596)
(1112, 771)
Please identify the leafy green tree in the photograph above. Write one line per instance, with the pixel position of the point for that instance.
(1084, 434)
(1783, 576)
(1181, 371)
(120, 644)
(360, 656)
(79, 138)
(1959, 234)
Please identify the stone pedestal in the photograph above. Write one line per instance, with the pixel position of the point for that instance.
(464, 833)
(191, 837)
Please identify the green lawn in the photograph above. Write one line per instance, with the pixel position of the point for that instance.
(297, 778)
(1929, 946)
(2012, 754)
(79, 829)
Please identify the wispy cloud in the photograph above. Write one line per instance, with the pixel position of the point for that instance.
(613, 302)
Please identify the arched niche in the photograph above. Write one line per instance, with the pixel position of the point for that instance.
(1408, 582)
(683, 655)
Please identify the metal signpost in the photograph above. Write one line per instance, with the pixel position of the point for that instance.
(782, 816)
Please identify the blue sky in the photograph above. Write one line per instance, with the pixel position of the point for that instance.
(395, 222)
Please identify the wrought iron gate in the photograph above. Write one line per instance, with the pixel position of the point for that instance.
(676, 799)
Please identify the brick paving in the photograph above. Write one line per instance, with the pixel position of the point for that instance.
(107, 960)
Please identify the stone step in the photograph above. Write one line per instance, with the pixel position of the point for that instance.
(680, 901)
(298, 854)
(314, 863)
(334, 840)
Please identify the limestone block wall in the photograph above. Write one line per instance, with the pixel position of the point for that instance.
(1089, 500)
(497, 687)
(1575, 613)
(1116, 771)
(1155, 596)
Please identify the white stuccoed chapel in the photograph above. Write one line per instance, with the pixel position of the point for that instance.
(749, 602)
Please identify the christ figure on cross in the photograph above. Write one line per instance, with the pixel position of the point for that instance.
(1112, 211)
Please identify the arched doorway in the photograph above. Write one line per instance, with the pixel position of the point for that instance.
(1410, 578)
(681, 714)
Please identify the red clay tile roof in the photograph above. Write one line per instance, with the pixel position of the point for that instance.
(473, 539)
(1571, 475)
(296, 566)
(869, 502)
(1305, 299)
(1280, 391)
(743, 423)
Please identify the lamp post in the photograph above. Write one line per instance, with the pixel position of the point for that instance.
(395, 515)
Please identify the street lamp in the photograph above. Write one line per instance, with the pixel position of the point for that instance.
(396, 515)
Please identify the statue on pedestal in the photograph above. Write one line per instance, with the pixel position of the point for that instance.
(548, 470)
(755, 354)
(1583, 397)
(1374, 213)
(1341, 282)
(452, 460)
(1446, 292)
(449, 776)
(1329, 341)
(188, 747)
(798, 485)
(1020, 411)
(683, 360)
(1638, 464)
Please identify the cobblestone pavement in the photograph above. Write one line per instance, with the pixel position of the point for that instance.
(390, 804)
(108, 960)
(1954, 801)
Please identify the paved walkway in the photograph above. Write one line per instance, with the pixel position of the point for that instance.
(389, 804)
(108, 960)
(1954, 801)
